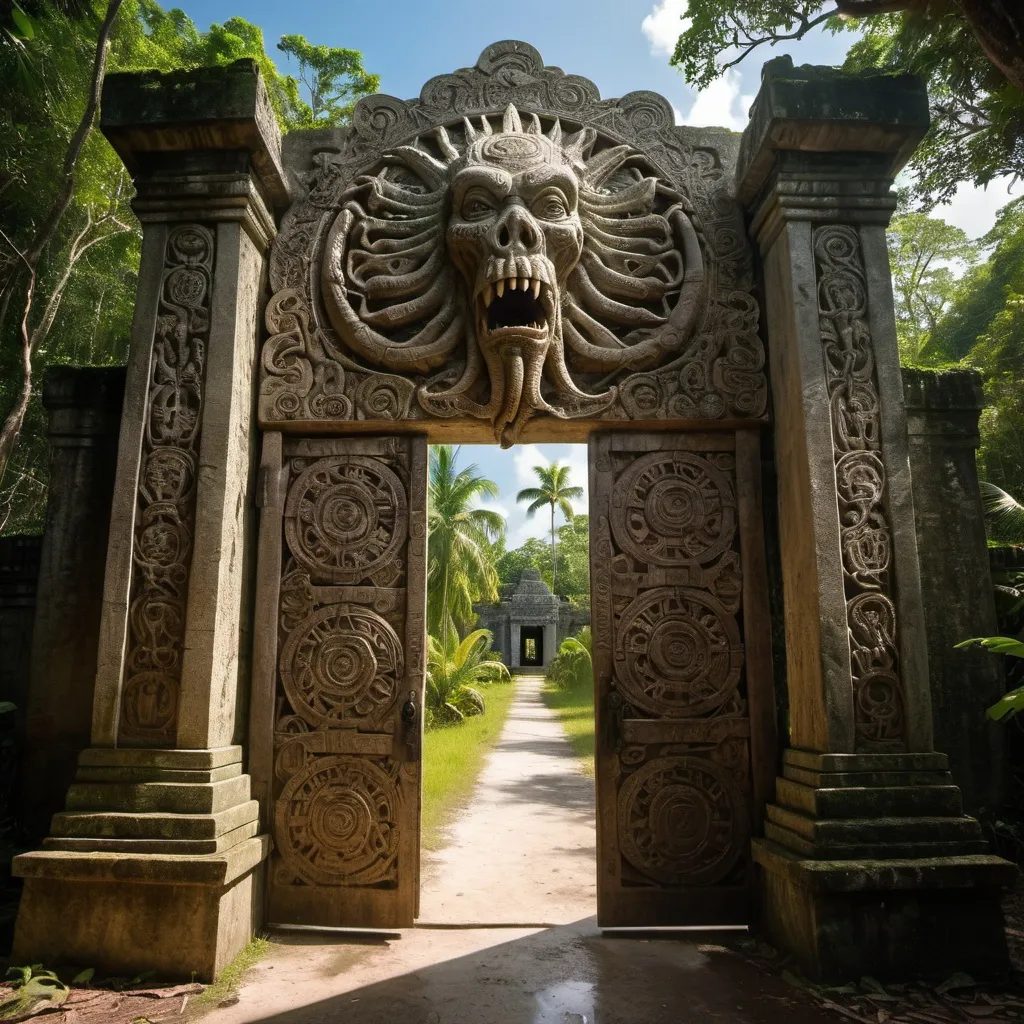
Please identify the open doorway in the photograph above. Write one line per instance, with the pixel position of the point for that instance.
(531, 646)
(508, 800)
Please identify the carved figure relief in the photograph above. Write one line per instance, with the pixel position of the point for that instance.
(865, 536)
(346, 785)
(669, 662)
(165, 520)
(510, 246)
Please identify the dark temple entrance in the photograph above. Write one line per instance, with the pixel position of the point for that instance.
(531, 645)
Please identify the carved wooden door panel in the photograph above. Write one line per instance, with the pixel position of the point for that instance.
(338, 677)
(682, 670)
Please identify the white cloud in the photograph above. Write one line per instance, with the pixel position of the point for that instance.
(721, 105)
(974, 209)
(678, 114)
(664, 25)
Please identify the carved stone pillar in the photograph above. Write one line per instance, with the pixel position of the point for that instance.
(158, 845)
(84, 406)
(956, 582)
(861, 781)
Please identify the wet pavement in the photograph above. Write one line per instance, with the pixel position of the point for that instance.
(522, 853)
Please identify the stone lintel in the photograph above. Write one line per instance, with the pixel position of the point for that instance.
(812, 109)
(154, 757)
(159, 869)
(205, 109)
(865, 762)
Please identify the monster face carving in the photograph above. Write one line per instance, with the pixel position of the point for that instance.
(543, 257)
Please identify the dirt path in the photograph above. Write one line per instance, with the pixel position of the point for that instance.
(523, 850)
(521, 853)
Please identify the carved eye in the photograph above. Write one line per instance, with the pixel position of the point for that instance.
(551, 206)
(477, 205)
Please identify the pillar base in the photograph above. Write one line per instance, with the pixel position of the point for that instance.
(869, 866)
(891, 919)
(183, 917)
(155, 865)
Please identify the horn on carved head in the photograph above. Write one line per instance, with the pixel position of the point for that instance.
(534, 128)
(511, 121)
(448, 151)
(486, 125)
(555, 135)
(471, 132)
(576, 145)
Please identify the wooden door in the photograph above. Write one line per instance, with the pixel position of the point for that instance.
(336, 723)
(682, 672)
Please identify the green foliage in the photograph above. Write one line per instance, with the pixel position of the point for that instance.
(84, 296)
(1012, 702)
(977, 129)
(572, 666)
(35, 992)
(573, 561)
(456, 670)
(460, 554)
(920, 251)
(334, 77)
(984, 327)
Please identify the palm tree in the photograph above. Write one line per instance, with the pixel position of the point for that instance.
(460, 564)
(455, 671)
(553, 491)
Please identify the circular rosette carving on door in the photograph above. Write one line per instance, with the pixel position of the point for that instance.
(341, 663)
(682, 821)
(676, 508)
(336, 823)
(346, 520)
(678, 652)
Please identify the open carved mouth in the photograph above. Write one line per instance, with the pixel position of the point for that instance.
(518, 305)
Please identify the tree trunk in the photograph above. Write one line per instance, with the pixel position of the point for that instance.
(553, 570)
(999, 28)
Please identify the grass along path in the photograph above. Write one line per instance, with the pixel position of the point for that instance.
(574, 706)
(453, 757)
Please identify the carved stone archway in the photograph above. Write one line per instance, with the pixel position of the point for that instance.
(637, 249)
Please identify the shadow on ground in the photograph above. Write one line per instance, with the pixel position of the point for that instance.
(565, 975)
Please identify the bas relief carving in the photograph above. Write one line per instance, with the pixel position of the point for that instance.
(165, 523)
(668, 627)
(512, 246)
(865, 536)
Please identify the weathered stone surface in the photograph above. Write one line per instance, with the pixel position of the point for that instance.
(183, 917)
(84, 406)
(638, 285)
(148, 115)
(956, 582)
(811, 109)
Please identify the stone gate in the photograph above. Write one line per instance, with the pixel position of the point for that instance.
(511, 257)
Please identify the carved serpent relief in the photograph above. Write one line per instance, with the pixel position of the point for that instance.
(344, 662)
(865, 536)
(165, 521)
(667, 587)
(508, 246)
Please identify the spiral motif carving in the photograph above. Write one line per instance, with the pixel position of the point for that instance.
(675, 508)
(336, 823)
(678, 652)
(682, 821)
(342, 662)
(347, 520)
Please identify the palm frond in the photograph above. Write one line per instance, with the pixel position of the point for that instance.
(1004, 515)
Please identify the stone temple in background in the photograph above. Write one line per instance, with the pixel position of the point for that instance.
(529, 622)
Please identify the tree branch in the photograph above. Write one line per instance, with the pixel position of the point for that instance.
(753, 42)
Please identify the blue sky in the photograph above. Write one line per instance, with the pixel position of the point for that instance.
(621, 45)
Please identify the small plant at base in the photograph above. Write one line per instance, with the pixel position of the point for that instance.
(455, 670)
(573, 665)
